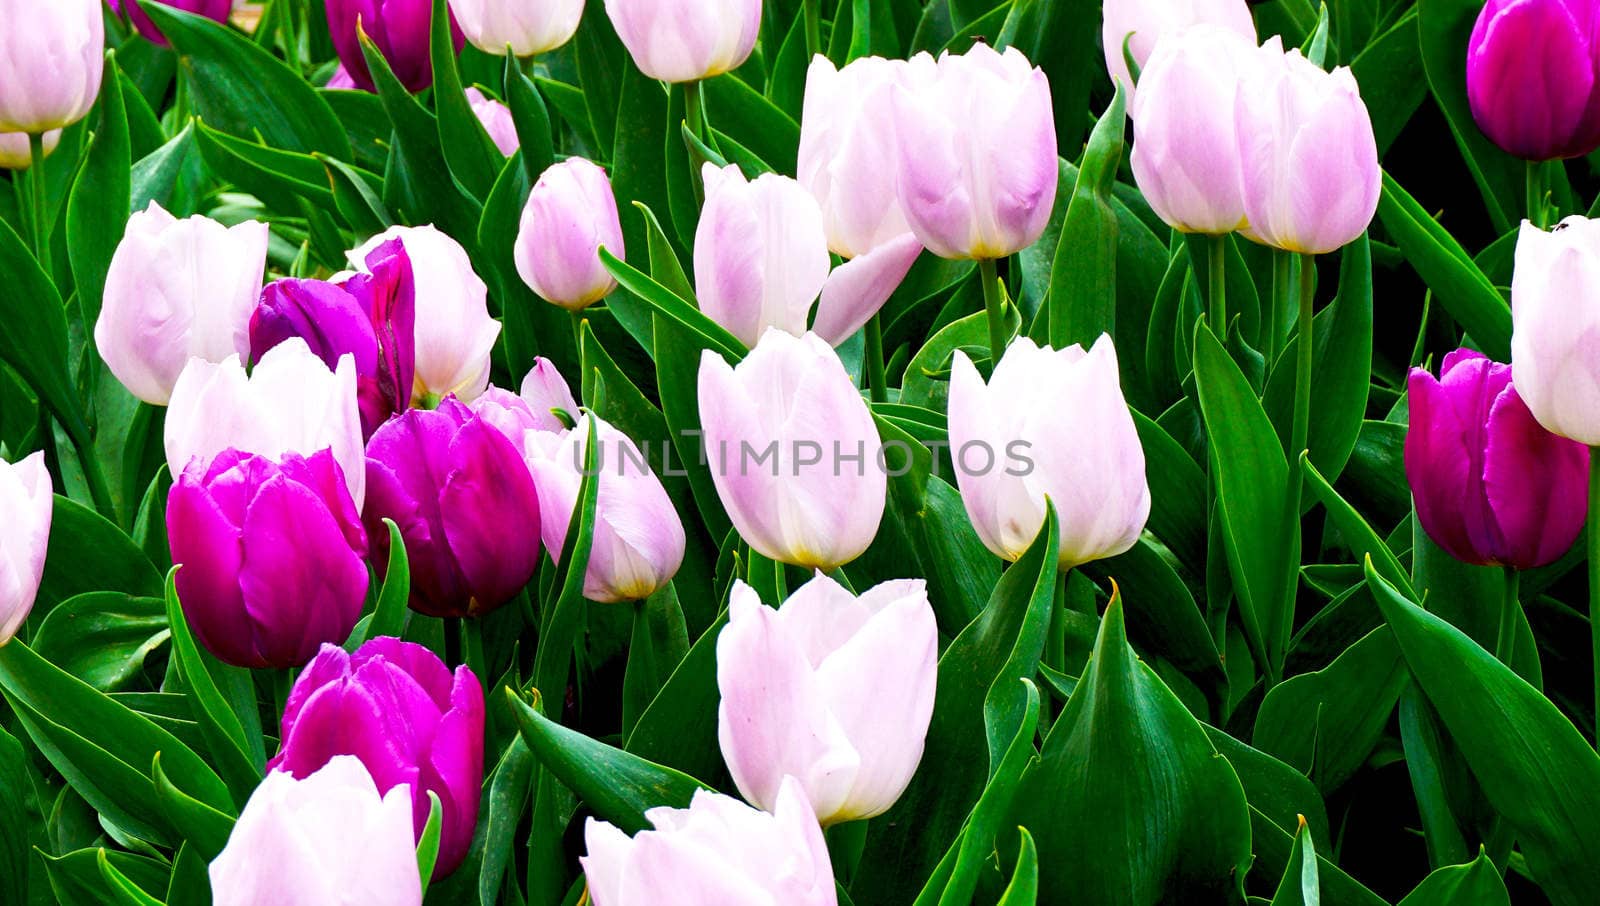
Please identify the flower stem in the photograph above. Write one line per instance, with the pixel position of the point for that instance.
(813, 14)
(996, 307)
(1304, 336)
(99, 490)
(41, 214)
(1594, 572)
(1505, 643)
(1219, 286)
(694, 110)
(1536, 191)
(877, 378)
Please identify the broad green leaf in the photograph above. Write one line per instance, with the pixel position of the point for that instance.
(428, 840)
(562, 612)
(102, 637)
(204, 827)
(679, 727)
(34, 341)
(740, 112)
(1024, 887)
(1083, 280)
(14, 831)
(1273, 848)
(1477, 883)
(98, 205)
(664, 302)
(1177, 493)
(1390, 73)
(532, 119)
(507, 798)
(88, 553)
(158, 175)
(1280, 793)
(269, 172)
(239, 759)
(658, 644)
(471, 156)
(389, 618)
(1161, 612)
(1299, 886)
(76, 879)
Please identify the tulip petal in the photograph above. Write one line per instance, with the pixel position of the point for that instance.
(857, 289)
(1535, 482)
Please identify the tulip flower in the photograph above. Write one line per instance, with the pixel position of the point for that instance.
(330, 837)
(638, 538)
(570, 215)
(215, 10)
(413, 724)
(1050, 423)
(1142, 24)
(686, 40)
(26, 499)
(534, 409)
(1536, 108)
(496, 120)
(1554, 312)
(398, 28)
(271, 554)
(834, 689)
(177, 290)
(716, 851)
(51, 58)
(464, 502)
(290, 403)
(793, 451)
(976, 153)
(15, 153)
(1186, 155)
(1310, 161)
(519, 28)
(368, 316)
(1491, 485)
(454, 332)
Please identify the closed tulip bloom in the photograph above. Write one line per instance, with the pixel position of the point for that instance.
(413, 724)
(454, 332)
(51, 59)
(570, 215)
(517, 26)
(1310, 161)
(330, 838)
(177, 290)
(834, 689)
(465, 505)
(215, 10)
(1150, 20)
(398, 28)
(1186, 152)
(27, 501)
(686, 40)
(534, 409)
(1049, 423)
(1555, 310)
(15, 153)
(272, 554)
(496, 120)
(793, 451)
(290, 403)
(638, 538)
(1532, 77)
(976, 152)
(717, 851)
(1491, 485)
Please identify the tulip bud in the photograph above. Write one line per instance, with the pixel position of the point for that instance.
(15, 154)
(1554, 312)
(1532, 77)
(25, 498)
(290, 403)
(215, 10)
(454, 332)
(716, 851)
(1310, 161)
(1014, 444)
(834, 689)
(464, 502)
(638, 538)
(398, 28)
(686, 40)
(570, 215)
(793, 450)
(515, 26)
(328, 838)
(496, 120)
(976, 147)
(272, 556)
(1186, 155)
(1147, 21)
(53, 56)
(543, 392)
(414, 725)
(1491, 485)
(177, 290)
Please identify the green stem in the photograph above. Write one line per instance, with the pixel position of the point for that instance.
(1594, 572)
(877, 378)
(1056, 642)
(41, 212)
(813, 14)
(1219, 286)
(1536, 189)
(577, 337)
(1282, 275)
(99, 489)
(282, 685)
(694, 110)
(1302, 373)
(1505, 642)
(996, 307)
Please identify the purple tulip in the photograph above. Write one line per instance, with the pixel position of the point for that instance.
(396, 707)
(370, 316)
(271, 554)
(216, 10)
(464, 502)
(1532, 78)
(1491, 486)
(398, 28)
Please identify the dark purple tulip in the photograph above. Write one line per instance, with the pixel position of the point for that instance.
(370, 316)
(217, 10)
(272, 556)
(1533, 79)
(465, 504)
(1491, 486)
(396, 707)
(399, 29)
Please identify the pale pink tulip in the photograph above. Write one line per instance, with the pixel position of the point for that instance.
(25, 498)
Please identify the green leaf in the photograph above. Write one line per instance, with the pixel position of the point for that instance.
(204, 827)
(469, 152)
(679, 728)
(98, 205)
(1024, 887)
(123, 890)
(1161, 612)
(357, 195)
(1536, 769)
(157, 175)
(34, 341)
(389, 618)
(14, 832)
(1477, 883)
(88, 553)
(190, 884)
(1299, 886)
(532, 119)
(76, 879)
(102, 637)
(738, 111)
(1357, 533)
(428, 842)
(1280, 793)
(264, 170)
(508, 797)
(1083, 280)
(659, 643)
(664, 302)
(1393, 83)
(1274, 846)
(563, 615)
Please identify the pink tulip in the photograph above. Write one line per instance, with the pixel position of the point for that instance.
(520, 27)
(534, 409)
(1148, 21)
(51, 58)
(686, 40)
(570, 215)
(1555, 315)
(496, 120)
(25, 498)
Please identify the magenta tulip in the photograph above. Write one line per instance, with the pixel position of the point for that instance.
(215, 10)
(398, 28)
(1533, 76)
